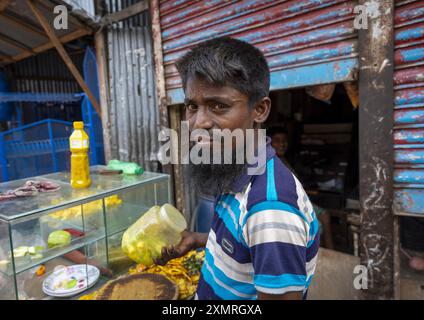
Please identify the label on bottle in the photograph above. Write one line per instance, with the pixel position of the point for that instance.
(77, 144)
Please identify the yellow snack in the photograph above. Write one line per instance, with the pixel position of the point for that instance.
(41, 270)
(89, 208)
(176, 272)
(90, 296)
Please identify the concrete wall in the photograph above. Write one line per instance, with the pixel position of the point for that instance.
(334, 277)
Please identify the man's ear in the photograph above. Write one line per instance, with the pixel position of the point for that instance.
(262, 110)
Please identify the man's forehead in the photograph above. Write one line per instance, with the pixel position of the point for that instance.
(200, 89)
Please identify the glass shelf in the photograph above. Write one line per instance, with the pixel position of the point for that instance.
(120, 218)
(102, 185)
(53, 253)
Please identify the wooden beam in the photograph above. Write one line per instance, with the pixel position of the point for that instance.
(15, 44)
(4, 4)
(99, 42)
(159, 69)
(19, 23)
(5, 59)
(69, 37)
(62, 52)
(104, 88)
(164, 117)
(126, 13)
(47, 46)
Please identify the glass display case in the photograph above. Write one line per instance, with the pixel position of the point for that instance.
(95, 218)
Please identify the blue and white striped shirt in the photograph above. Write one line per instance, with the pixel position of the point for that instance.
(264, 237)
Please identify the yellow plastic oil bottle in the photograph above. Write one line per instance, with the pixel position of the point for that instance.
(80, 166)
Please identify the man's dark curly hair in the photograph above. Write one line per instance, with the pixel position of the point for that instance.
(230, 62)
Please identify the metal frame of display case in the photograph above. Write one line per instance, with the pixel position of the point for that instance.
(38, 213)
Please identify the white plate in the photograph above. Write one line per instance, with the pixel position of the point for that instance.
(66, 295)
(69, 281)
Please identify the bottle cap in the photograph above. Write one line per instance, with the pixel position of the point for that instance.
(78, 125)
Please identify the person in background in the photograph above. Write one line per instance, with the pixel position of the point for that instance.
(280, 142)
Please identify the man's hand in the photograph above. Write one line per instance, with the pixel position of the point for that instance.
(189, 241)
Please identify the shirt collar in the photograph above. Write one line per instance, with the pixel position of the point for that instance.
(245, 178)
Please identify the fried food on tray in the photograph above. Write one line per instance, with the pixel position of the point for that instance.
(184, 271)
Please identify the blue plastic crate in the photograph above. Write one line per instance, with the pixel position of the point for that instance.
(39, 148)
(43, 147)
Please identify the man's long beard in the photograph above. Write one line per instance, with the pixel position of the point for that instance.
(213, 179)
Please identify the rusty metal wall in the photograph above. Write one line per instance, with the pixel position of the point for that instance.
(409, 107)
(132, 106)
(305, 42)
(136, 21)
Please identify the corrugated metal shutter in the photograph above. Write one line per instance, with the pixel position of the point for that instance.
(133, 112)
(86, 5)
(45, 73)
(409, 107)
(305, 42)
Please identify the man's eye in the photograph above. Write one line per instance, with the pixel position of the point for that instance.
(219, 107)
(191, 107)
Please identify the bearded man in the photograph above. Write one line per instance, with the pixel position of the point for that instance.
(264, 237)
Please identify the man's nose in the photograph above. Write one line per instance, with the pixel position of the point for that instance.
(202, 120)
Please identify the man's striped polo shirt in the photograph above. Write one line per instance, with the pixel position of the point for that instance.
(264, 237)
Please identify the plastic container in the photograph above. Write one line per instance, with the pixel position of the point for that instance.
(159, 227)
(80, 165)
